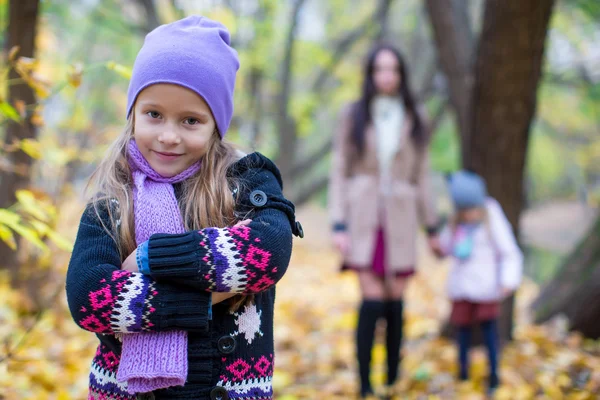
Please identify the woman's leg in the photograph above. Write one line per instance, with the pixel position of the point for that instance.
(490, 336)
(394, 315)
(371, 310)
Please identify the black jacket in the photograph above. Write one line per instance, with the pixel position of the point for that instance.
(230, 356)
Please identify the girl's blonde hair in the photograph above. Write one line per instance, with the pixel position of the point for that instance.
(206, 199)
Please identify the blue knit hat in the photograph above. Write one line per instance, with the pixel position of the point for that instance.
(193, 52)
(467, 189)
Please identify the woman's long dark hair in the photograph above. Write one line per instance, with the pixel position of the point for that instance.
(362, 110)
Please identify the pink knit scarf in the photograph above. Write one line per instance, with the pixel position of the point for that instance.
(154, 360)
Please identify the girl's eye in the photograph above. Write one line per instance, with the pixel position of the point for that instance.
(153, 114)
(191, 121)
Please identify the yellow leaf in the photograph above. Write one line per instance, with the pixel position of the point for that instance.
(8, 237)
(21, 108)
(27, 233)
(8, 217)
(37, 119)
(32, 147)
(122, 70)
(75, 74)
(27, 200)
(12, 54)
(60, 241)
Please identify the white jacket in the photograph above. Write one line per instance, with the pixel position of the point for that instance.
(496, 261)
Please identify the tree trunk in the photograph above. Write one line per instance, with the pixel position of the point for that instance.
(494, 114)
(575, 290)
(22, 29)
(507, 72)
(455, 44)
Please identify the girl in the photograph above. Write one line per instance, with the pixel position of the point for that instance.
(487, 265)
(379, 190)
(178, 253)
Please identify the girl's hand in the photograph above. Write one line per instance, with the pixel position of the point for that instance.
(505, 293)
(435, 246)
(341, 241)
(219, 297)
(130, 263)
(243, 223)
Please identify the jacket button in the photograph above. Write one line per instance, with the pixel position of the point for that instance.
(258, 198)
(226, 344)
(219, 393)
(299, 230)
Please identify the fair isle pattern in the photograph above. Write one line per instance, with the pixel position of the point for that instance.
(248, 323)
(121, 305)
(103, 377)
(249, 379)
(236, 264)
(129, 310)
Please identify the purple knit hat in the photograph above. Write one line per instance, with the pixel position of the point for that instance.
(193, 52)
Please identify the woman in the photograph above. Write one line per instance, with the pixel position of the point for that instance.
(379, 192)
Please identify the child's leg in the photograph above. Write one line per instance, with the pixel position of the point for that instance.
(370, 312)
(464, 342)
(490, 337)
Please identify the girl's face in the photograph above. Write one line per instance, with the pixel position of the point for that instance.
(386, 73)
(173, 127)
(471, 215)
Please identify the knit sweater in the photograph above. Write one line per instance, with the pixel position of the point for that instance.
(230, 356)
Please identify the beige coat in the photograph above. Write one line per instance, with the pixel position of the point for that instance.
(357, 200)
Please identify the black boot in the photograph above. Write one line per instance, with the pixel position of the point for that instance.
(394, 310)
(370, 311)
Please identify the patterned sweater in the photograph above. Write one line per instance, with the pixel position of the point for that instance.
(230, 355)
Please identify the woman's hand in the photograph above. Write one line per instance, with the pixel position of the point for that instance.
(341, 241)
(130, 263)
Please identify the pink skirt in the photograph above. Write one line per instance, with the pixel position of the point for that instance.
(379, 265)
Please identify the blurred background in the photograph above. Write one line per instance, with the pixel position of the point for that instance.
(512, 89)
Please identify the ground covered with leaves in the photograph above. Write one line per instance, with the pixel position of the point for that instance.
(46, 356)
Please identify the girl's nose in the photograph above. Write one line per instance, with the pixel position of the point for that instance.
(169, 137)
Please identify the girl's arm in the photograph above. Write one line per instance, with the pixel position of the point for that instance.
(244, 259)
(104, 299)
(511, 258)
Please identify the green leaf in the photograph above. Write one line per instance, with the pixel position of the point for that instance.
(9, 111)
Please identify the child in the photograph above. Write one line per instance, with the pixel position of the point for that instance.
(487, 265)
(178, 253)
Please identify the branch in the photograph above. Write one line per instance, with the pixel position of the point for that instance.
(305, 193)
(312, 159)
(437, 118)
(382, 19)
(286, 67)
(152, 20)
(455, 45)
(344, 44)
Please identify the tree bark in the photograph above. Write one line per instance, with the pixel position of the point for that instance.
(284, 122)
(21, 32)
(455, 44)
(495, 99)
(574, 291)
(507, 72)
